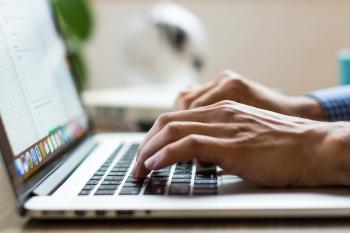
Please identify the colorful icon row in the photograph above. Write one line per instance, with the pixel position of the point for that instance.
(34, 156)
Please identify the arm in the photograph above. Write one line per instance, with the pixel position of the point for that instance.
(260, 146)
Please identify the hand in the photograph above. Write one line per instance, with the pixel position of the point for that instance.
(232, 86)
(260, 146)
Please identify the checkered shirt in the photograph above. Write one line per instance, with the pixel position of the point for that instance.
(335, 102)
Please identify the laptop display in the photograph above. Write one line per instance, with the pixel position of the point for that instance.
(40, 110)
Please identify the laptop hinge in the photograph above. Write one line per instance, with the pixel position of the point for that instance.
(67, 167)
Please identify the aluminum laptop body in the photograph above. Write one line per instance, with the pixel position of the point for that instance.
(58, 168)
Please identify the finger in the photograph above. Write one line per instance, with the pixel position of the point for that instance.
(195, 115)
(203, 148)
(175, 131)
(212, 96)
(185, 99)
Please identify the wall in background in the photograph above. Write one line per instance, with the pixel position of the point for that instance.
(286, 44)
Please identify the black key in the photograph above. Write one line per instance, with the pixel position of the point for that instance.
(111, 182)
(182, 172)
(122, 166)
(206, 170)
(205, 176)
(104, 192)
(160, 174)
(132, 185)
(182, 176)
(205, 186)
(181, 181)
(179, 189)
(100, 173)
(92, 182)
(158, 182)
(155, 190)
(205, 191)
(135, 181)
(89, 187)
(84, 192)
(116, 174)
(158, 179)
(130, 191)
(120, 169)
(96, 178)
(108, 178)
(166, 169)
(205, 181)
(108, 187)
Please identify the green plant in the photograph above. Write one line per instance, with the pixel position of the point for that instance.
(76, 23)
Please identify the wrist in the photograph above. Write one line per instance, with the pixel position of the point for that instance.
(306, 107)
(334, 153)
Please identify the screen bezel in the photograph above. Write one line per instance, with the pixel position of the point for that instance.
(22, 190)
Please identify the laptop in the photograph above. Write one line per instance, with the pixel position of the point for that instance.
(58, 168)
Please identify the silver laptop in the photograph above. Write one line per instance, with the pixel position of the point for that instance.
(58, 168)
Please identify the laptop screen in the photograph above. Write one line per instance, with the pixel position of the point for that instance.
(40, 109)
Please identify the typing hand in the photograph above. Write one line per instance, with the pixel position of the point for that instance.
(263, 147)
(232, 86)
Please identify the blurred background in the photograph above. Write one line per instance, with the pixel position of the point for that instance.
(290, 45)
(286, 44)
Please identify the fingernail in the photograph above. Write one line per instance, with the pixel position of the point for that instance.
(150, 163)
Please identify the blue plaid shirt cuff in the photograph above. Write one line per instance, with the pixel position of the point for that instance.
(335, 102)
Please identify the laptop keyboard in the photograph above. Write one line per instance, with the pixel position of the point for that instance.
(183, 178)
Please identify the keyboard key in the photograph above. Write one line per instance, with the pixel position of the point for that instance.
(182, 176)
(182, 172)
(205, 181)
(108, 187)
(111, 182)
(158, 179)
(181, 181)
(205, 176)
(160, 174)
(155, 190)
(135, 181)
(205, 186)
(205, 191)
(130, 191)
(120, 169)
(179, 189)
(116, 174)
(104, 192)
(93, 182)
(109, 178)
(206, 170)
(158, 182)
(166, 169)
(89, 187)
(100, 173)
(132, 185)
(84, 192)
(96, 178)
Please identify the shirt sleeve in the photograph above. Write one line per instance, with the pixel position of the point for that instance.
(335, 102)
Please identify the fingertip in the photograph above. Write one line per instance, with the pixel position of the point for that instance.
(150, 163)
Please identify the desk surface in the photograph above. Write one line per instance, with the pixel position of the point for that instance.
(11, 223)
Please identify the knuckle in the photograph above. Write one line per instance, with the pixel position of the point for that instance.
(235, 84)
(163, 119)
(196, 104)
(173, 128)
(193, 141)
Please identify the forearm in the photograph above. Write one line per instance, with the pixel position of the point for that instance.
(334, 151)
